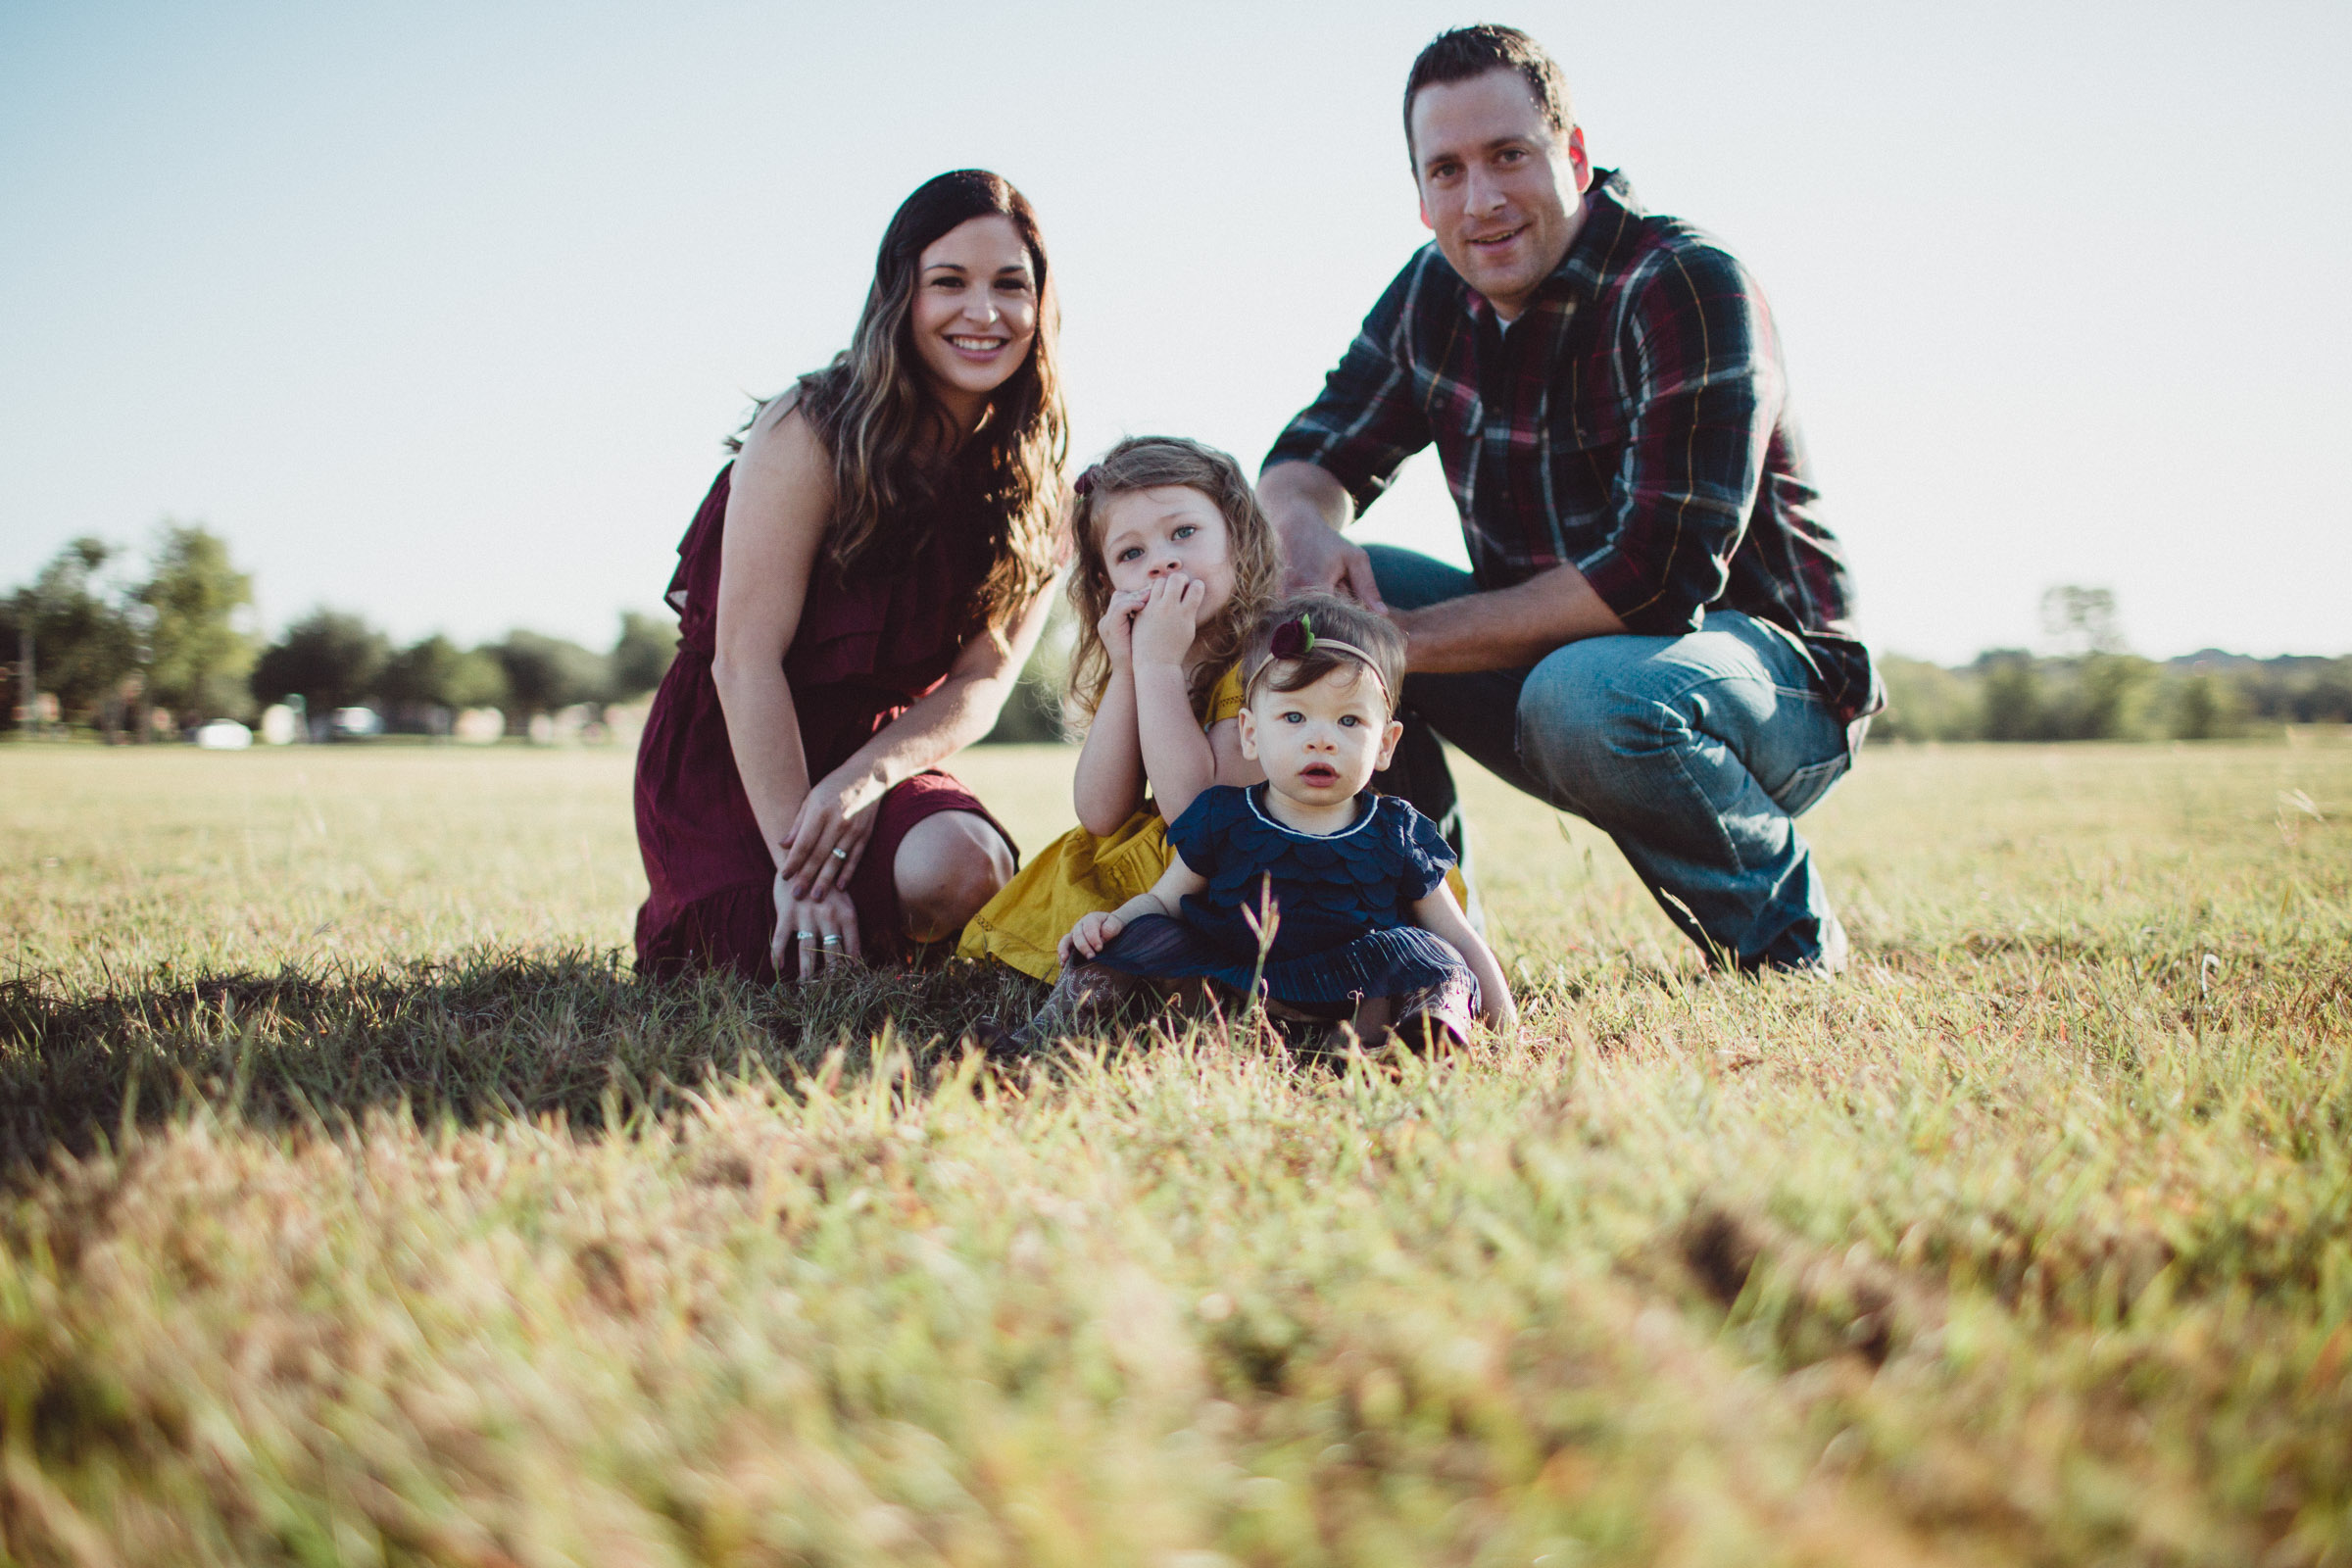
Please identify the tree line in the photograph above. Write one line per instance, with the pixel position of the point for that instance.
(140, 648)
(2009, 694)
(135, 647)
(2089, 687)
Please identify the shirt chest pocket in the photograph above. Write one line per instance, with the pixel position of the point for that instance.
(1587, 452)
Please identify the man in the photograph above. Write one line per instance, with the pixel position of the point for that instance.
(1654, 632)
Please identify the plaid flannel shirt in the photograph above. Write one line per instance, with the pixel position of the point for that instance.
(1633, 422)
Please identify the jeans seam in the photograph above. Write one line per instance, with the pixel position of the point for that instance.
(1714, 816)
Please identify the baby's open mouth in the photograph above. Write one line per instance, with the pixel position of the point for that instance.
(1319, 773)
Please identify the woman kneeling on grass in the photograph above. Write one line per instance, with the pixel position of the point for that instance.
(855, 598)
(1328, 900)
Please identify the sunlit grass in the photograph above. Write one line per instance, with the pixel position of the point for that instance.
(441, 1239)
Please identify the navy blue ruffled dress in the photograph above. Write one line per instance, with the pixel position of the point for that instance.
(1344, 902)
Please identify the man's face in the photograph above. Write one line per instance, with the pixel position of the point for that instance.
(1503, 192)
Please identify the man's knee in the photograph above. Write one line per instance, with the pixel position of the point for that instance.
(1594, 722)
(948, 865)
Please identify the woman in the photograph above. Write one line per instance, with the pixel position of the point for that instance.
(855, 598)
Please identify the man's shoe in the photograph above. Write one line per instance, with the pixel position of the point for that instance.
(1830, 962)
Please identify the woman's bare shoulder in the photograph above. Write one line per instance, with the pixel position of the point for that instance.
(783, 436)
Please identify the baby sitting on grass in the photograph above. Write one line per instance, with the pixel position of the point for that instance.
(1327, 900)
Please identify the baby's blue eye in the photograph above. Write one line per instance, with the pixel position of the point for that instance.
(1293, 716)
(1348, 721)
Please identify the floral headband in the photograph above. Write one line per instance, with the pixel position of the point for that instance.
(1296, 638)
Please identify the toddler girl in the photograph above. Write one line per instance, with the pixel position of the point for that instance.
(1329, 900)
(1175, 564)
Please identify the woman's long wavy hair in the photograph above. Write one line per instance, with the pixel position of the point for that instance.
(1145, 462)
(875, 410)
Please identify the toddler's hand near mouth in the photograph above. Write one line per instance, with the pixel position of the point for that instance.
(1170, 617)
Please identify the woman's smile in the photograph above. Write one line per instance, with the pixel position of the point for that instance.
(978, 348)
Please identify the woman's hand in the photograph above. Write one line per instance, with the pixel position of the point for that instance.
(830, 833)
(1116, 627)
(820, 932)
(1090, 934)
(1170, 618)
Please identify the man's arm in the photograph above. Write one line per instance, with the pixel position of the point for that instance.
(1507, 629)
(1310, 511)
(1340, 451)
(1500, 630)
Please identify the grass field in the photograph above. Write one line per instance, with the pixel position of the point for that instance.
(363, 1210)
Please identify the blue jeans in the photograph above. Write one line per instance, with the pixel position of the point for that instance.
(1694, 753)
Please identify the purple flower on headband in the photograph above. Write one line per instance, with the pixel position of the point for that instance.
(1085, 484)
(1293, 638)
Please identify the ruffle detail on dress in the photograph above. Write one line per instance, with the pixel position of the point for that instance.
(1379, 964)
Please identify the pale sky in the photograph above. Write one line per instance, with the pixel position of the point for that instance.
(439, 311)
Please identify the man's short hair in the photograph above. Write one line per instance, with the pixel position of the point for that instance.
(1467, 51)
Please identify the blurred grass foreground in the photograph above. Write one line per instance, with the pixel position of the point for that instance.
(363, 1210)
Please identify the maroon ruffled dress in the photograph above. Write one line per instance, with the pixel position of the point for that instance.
(866, 649)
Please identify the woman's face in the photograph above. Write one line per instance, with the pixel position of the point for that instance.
(975, 312)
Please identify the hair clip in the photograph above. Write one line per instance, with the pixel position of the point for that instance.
(1294, 638)
(1084, 484)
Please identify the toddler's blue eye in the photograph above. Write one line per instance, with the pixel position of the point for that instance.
(1348, 721)
(1188, 530)
(1131, 553)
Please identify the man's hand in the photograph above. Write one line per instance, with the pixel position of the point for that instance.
(1308, 509)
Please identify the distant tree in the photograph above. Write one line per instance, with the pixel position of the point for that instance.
(1032, 715)
(2330, 696)
(545, 673)
(329, 658)
(641, 656)
(435, 673)
(2009, 696)
(2107, 700)
(85, 644)
(416, 676)
(1924, 703)
(197, 657)
(477, 680)
(2205, 707)
(2082, 620)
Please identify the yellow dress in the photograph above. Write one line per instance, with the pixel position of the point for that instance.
(1024, 923)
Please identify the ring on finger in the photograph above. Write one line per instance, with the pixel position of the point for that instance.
(840, 854)
(832, 939)
(804, 936)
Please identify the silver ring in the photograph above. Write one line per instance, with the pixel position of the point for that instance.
(832, 939)
(840, 854)
(804, 936)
